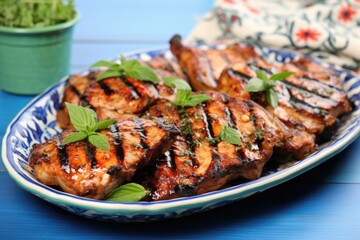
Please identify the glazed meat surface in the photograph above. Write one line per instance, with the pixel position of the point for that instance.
(81, 169)
(117, 98)
(199, 160)
(310, 100)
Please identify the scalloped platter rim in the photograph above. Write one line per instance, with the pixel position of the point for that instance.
(37, 123)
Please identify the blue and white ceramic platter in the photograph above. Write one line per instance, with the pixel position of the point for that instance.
(37, 123)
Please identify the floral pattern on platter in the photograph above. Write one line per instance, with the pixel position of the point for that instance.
(36, 123)
(327, 29)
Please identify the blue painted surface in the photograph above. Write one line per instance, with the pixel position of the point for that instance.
(321, 204)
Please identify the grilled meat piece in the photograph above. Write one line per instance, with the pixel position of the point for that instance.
(199, 161)
(117, 98)
(81, 169)
(304, 103)
(205, 66)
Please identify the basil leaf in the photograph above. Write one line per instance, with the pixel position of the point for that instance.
(108, 74)
(230, 135)
(74, 137)
(178, 83)
(99, 141)
(83, 119)
(143, 73)
(103, 63)
(263, 83)
(272, 98)
(131, 64)
(103, 124)
(130, 192)
(261, 74)
(280, 76)
(255, 85)
(195, 100)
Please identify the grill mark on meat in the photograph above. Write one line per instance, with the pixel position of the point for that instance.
(322, 83)
(90, 153)
(170, 159)
(85, 102)
(301, 105)
(63, 156)
(141, 131)
(208, 126)
(333, 88)
(238, 74)
(256, 67)
(114, 129)
(229, 116)
(107, 90)
(134, 93)
(323, 98)
(114, 169)
(225, 57)
(209, 70)
(74, 90)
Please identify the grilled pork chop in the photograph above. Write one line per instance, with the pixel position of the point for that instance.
(204, 67)
(81, 169)
(310, 101)
(117, 98)
(199, 161)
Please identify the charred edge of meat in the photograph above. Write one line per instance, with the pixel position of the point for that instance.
(176, 44)
(185, 190)
(90, 153)
(114, 169)
(141, 131)
(328, 133)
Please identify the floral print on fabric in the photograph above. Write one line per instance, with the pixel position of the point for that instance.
(327, 29)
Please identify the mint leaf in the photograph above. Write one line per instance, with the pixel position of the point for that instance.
(83, 119)
(103, 124)
(255, 85)
(280, 76)
(130, 192)
(74, 137)
(272, 98)
(103, 63)
(184, 94)
(99, 141)
(230, 135)
(108, 74)
(263, 83)
(131, 68)
(261, 74)
(195, 100)
(143, 73)
(130, 64)
(178, 83)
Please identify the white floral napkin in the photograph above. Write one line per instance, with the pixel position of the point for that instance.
(328, 29)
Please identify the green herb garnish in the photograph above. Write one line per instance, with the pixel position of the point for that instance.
(184, 94)
(230, 135)
(262, 83)
(131, 68)
(85, 121)
(130, 192)
(35, 13)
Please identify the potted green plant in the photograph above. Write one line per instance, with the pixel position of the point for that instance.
(35, 43)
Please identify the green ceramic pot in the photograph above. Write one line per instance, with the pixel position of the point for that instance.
(32, 59)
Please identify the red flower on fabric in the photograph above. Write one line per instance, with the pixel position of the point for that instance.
(229, 1)
(307, 34)
(346, 13)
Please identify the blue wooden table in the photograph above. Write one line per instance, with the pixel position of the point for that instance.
(324, 203)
